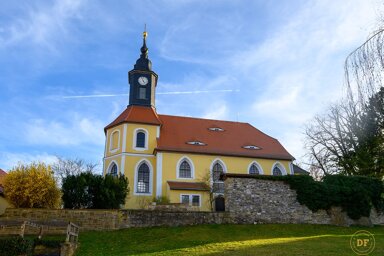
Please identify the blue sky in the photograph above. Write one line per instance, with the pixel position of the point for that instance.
(281, 62)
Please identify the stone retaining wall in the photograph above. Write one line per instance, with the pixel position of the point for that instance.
(251, 200)
(144, 218)
(55, 221)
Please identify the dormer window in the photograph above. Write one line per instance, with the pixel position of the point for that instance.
(251, 147)
(197, 143)
(216, 129)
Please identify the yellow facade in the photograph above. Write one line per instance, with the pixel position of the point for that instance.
(120, 149)
(4, 204)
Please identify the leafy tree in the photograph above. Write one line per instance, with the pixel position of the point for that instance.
(32, 186)
(369, 154)
(92, 191)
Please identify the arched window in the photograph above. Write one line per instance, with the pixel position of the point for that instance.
(143, 176)
(114, 142)
(140, 140)
(218, 185)
(277, 171)
(113, 170)
(217, 171)
(254, 169)
(185, 170)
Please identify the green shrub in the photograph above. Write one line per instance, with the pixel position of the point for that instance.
(92, 191)
(161, 200)
(354, 194)
(16, 245)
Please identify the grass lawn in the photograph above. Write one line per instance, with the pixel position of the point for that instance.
(267, 239)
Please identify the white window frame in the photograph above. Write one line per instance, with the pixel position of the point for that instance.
(280, 166)
(111, 141)
(135, 132)
(190, 199)
(221, 162)
(110, 168)
(185, 158)
(261, 171)
(150, 178)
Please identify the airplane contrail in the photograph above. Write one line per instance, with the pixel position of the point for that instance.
(159, 93)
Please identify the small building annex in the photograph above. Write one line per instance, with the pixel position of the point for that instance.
(176, 156)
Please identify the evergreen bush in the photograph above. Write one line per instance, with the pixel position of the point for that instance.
(16, 245)
(91, 191)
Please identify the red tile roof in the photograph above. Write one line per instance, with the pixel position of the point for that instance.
(136, 114)
(2, 173)
(177, 131)
(177, 185)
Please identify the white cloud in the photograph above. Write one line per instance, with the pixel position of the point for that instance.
(78, 131)
(217, 110)
(303, 65)
(43, 25)
(10, 160)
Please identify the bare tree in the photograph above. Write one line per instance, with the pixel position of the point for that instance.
(338, 141)
(364, 70)
(330, 138)
(65, 167)
(208, 181)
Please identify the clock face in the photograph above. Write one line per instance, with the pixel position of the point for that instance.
(143, 80)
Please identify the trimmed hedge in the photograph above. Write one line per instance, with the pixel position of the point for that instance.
(356, 195)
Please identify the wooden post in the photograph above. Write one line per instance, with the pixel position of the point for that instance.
(23, 229)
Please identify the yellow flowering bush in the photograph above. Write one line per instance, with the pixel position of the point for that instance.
(32, 186)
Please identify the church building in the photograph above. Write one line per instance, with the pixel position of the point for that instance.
(181, 158)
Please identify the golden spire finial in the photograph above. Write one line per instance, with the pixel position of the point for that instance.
(145, 31)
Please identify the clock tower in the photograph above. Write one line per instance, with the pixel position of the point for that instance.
(142, 80)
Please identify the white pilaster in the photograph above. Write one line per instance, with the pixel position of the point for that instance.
(124, 138)
(105, 151)
(159, 174)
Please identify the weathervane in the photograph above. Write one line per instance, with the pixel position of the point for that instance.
(145, 31)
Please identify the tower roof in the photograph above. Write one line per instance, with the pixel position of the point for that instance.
(143, 63)
(136, 114)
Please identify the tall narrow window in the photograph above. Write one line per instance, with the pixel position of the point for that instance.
(140, 140)
(113, 170)
(277, 171)
(185, 170)
(254, 169)
(142, 93)
(143, 179)
(218, 185)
